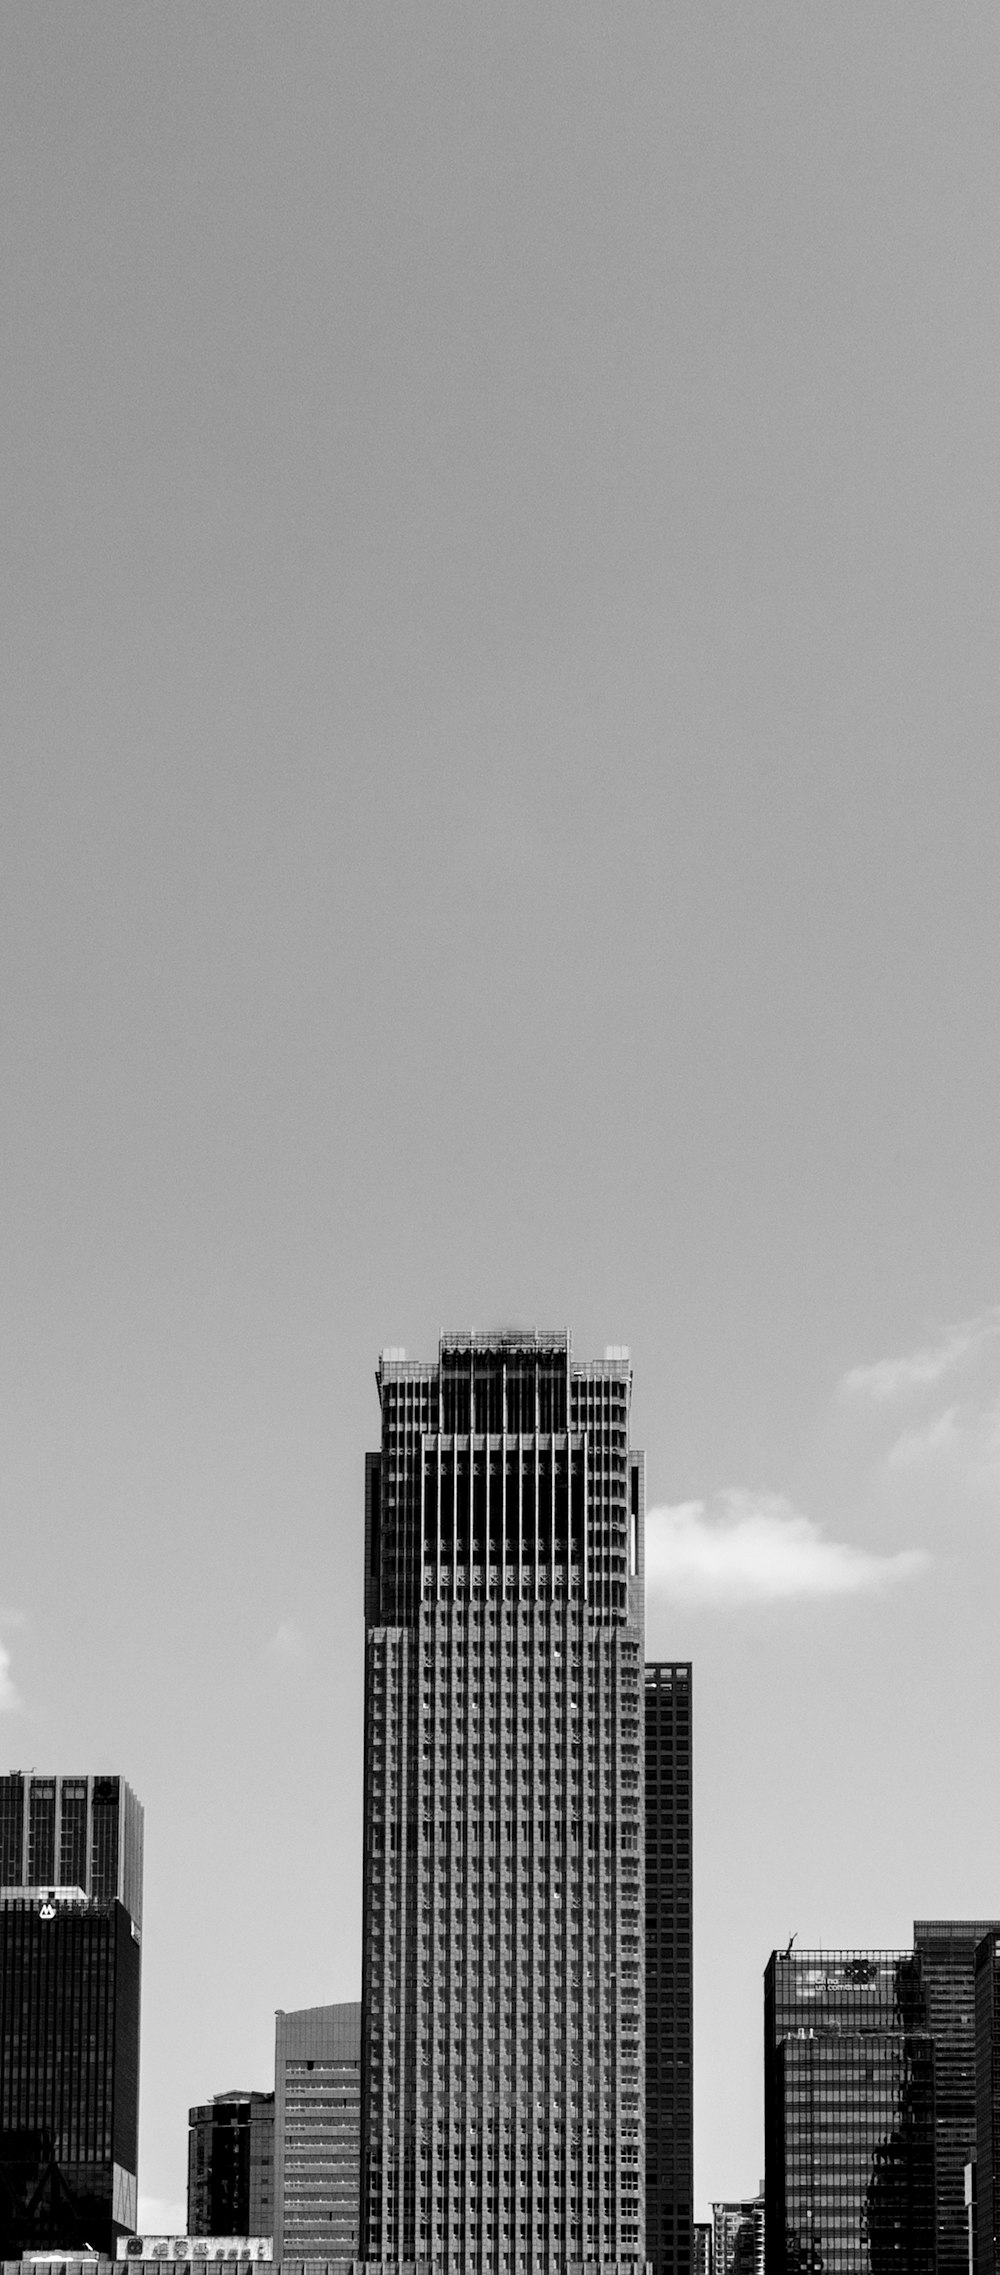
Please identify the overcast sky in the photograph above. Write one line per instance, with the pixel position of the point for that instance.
(500, 822)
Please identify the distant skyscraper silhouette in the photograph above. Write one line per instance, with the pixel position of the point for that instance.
(502, 2067)
(70, 1918)
(669, 1955)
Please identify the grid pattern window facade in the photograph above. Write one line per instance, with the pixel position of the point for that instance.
(946, 1956)
(69, 2074)
(848, 2115)
(503, 1996)
(317, 2137)
(669, 1958)
(72, 1832)
(987, 2010)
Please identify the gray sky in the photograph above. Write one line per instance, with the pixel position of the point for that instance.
(500, 797)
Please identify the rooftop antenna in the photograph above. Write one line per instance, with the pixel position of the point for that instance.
(787, 1953)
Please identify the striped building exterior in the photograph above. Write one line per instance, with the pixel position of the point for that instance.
(503, 1972)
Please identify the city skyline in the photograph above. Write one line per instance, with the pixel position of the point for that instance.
(499, 715)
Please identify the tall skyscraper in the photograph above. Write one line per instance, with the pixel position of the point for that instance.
(230, 2186)
(502, 2050)
(848, 2115)
(70, 1915)
(946, 1957)
(669, 1957)
(987, 2157)
(317, 2132)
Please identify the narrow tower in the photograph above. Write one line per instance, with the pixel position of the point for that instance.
(502, 2041)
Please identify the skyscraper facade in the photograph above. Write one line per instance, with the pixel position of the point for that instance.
(317, 2132)
(72, 1832)
(502, 2048)
(70, 1911)
(231, 2166)
(738, 2236)
(987, 2156)
(669, 1958)
(946, 1958)
(848, 2115)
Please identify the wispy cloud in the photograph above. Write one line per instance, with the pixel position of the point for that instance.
(920, 1370)
(755, 1548)
(966, 1437)
(9, 1699)
(288, 1646)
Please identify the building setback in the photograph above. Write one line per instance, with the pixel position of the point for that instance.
(669, 1957)
(946, 1957)
(502, 2046)
(317, 2132)
(231, 2166)
(848, 2115)
(70, 1912)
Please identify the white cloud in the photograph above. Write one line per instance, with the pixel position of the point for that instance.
(756, 1548)
(967, 1437)
(922, 1444)
(9, 1699)
(920, 1370)
(287, 1646)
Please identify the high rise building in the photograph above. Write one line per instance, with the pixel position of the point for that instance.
(317, 2132)
(848, 2115)
(669, 1957)
(70, 1914)
(231, 2166)
(738, 2235)
(702, 2257)
(72, 1832)
(502, 2048)
(984, 2185)
(946, 1957)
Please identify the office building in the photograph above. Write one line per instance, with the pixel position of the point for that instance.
(70, 1913)
(848, 2115)
(72, 1832)
(946, 1957)
(503, 1991)
(738, 2235)
(317, 2132)
(231, 2165)
(703, 2247)
(983, 2185)
(669, 1956)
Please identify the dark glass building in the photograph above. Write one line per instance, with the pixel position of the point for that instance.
(231, 2166)
(848, 2115)
(669, 1958)
(72, 1832)
(946, 1957)
(987, 2159)
(503, 1975)
(70, 1911)
(69, 2075)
